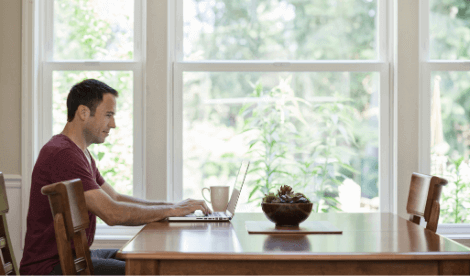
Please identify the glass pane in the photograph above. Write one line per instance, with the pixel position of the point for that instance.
(280, 29)
(115, 156)
(450, 142)
(93, 29)
(317, 132)
(449, 29)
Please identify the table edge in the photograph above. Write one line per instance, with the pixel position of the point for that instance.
(296, 256)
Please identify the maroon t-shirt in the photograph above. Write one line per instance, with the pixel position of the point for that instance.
(59, 160)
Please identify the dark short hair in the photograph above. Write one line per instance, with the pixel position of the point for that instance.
(89, 93)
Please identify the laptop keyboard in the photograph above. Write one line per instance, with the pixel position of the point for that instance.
(213, 215)
(217, 215)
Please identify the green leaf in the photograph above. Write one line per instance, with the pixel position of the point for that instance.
(100, 155)
(253, 191)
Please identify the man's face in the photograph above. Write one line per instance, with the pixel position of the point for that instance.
(97, 127)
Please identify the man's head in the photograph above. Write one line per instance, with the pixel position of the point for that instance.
(92, 104)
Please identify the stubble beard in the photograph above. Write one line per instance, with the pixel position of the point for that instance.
(91, 138)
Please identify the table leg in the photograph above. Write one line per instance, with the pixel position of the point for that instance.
(142, 267)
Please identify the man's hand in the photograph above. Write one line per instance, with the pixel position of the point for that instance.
(188, 206)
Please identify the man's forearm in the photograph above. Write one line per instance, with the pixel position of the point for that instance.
(135, 200)
(131, 214)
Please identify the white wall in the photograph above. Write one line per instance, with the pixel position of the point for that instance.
(10, 114)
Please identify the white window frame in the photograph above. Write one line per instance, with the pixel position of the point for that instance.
(160, 107)
(381, 66)
(427, 66)
(37, 96)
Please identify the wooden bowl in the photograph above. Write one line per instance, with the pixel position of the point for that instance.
(287, 214)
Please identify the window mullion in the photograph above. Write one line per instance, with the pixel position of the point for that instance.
(382, 37)
(386, 194)
(45, 103)
(49, 30)
(177, 152)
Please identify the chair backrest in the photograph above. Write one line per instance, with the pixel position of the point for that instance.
(8, 265)
(70, 214)
(423, 199)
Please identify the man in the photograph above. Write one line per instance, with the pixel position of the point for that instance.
(91, 106)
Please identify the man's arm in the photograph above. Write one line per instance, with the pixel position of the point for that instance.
(130, 199)
(124, 213)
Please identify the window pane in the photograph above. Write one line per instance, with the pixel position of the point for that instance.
(93, 29)
(115, 156)
(317, 132)
(449, 29)
(450, 142)
(280, 29)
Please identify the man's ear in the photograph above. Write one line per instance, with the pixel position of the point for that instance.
(83, 112)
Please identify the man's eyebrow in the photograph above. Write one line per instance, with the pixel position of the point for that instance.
(110, 112)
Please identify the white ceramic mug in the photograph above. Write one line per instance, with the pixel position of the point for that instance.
(219, 197)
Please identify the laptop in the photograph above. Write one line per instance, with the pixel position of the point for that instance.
(232, 204)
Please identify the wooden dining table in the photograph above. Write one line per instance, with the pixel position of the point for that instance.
(370, 243)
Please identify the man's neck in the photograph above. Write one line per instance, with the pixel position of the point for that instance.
(76, 136)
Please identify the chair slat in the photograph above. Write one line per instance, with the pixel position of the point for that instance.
(80, 264)
(3, 242)
(8, 267)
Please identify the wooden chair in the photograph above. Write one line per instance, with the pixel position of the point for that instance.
(70, 214)
(7, 255)
(423, 199)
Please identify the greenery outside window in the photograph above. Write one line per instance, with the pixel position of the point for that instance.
(98, 39)
(266, 81)
(446, 35)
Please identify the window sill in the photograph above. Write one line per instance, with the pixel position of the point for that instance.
(454, 230)
(107, 232)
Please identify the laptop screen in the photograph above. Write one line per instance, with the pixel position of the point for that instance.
(237, 187)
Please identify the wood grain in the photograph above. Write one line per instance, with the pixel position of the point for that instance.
(423, 199)
(142, 267)
(297, 268)
(371, 243)
(68, 207)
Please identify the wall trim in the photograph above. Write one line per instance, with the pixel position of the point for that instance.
(12, 180)
(29, 116)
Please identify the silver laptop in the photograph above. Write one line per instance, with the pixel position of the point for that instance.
(232, 204)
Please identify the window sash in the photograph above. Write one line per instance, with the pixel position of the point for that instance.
(461, 230)
(48, 66)
(381, 66)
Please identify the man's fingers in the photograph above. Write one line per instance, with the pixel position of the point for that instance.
(209, 211)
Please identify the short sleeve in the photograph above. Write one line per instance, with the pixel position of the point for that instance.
(99, 179)
(69, 164)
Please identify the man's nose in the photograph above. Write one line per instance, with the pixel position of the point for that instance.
(112, 123)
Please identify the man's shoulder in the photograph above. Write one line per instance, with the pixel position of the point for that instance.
(58, 147)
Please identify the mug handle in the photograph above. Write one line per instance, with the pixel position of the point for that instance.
(203, 194)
